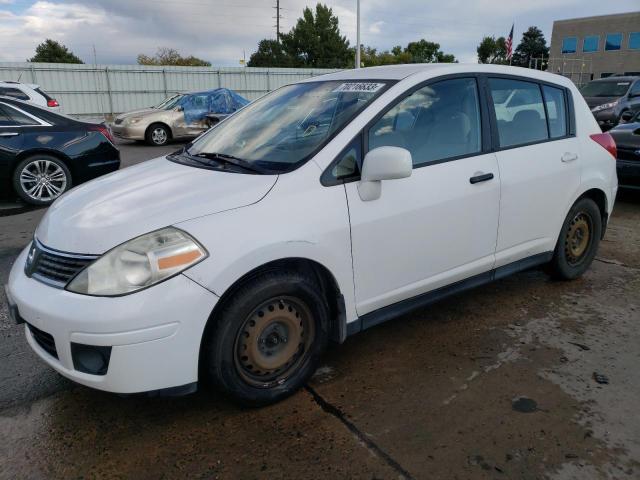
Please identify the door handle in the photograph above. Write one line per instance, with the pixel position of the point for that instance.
(569, 157)
(482, 177)
(9, 134)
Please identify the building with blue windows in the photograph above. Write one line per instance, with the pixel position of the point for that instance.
(587, 48)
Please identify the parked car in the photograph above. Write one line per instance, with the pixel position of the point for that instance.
(42, 153)
(609, 98)
(627, 138)
(28, 92)
(322, 209)
(184, 115)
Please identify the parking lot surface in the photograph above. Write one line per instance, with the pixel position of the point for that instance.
(524, 378)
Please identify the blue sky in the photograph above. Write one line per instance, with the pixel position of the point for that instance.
(219, 31)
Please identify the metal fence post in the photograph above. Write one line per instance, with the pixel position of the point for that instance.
(106, 71)
(219, 79)
(268, 80)
(33, 74)
(164, 82)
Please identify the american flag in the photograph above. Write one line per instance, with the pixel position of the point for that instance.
(510, 44)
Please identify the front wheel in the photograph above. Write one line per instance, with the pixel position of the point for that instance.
(268, 338)
(578, 241)
(157, 135)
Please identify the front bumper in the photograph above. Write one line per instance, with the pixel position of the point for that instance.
(154, 334)
(128, 132)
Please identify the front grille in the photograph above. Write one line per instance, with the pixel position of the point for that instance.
(44, 339)
(118, 121)
(629, 154)
(53, 267)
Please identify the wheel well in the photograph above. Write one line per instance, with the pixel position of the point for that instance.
(28, 153)
(315, 270)
(162, 124)
(600, 198)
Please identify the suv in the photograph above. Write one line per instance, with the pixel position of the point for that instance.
(28, 92)
(322, 209)
(610, 98)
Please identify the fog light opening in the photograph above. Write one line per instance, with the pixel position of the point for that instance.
(90, 358)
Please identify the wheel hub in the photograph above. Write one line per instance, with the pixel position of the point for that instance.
(272, 340)
(43, 180)
(578, 238)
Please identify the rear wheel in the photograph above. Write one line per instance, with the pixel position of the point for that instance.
(268, 338)
(40, 179)
(158, 135)
(578, 241)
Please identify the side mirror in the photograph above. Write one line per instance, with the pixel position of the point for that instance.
(179, 108)
(383, 163)
(626, 116)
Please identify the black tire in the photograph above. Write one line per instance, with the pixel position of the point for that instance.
(157, 135)
(40, 179)
(572, 256)
(225, 345)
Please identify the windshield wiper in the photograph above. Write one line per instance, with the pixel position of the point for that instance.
(231, 160)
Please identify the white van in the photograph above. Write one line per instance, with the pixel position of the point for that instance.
(322, 209)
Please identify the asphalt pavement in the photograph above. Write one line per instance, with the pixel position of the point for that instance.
(525, 378)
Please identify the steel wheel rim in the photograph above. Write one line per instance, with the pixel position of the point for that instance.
(274, 341)
(43, 180)
(578, 238)
(159, 135)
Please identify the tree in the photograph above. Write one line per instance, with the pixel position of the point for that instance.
(532, 46)
(493, 50)
(315, 41)
(423, 51)
(270, 53)
(170, 56)
(51, 51)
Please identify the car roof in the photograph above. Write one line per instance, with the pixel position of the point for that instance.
(13, 83)
(400, 72)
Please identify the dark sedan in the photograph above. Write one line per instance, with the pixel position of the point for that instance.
(627, 138)
(42, 154)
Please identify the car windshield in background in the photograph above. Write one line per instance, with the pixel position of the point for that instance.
(279, 131)
(605, 89)
(170, 102)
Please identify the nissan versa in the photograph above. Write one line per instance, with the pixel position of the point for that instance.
(322, 209)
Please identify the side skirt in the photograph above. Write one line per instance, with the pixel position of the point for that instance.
(401, 308)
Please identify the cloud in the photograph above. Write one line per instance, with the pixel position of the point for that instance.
(219, 31)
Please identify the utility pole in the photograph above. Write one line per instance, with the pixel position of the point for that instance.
(277, 17)
(358, 34)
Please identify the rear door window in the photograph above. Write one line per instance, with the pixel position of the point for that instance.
(519, 111)
(14, 92)
(18, 118)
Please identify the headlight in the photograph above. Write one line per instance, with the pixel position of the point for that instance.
(139, 263)
(135, 120)
(604, 106)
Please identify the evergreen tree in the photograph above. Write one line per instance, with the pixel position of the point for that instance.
(51, 51)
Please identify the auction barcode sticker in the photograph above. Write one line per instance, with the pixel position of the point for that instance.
(365, 87)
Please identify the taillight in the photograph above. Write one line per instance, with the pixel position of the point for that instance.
(606, 141)
(104, 131)
(52, 102)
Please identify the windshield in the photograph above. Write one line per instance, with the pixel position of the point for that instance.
(282, 129)
(605, 89)
(169, 103)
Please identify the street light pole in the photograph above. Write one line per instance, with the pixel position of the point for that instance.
(358, 34)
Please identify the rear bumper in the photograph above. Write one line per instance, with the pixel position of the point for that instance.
(628, 173)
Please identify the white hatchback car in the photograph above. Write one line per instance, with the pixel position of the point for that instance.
(28, 92)
(320, 210)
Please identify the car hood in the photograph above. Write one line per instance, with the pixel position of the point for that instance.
(110, 210)
(138, 113)
(595, 101)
